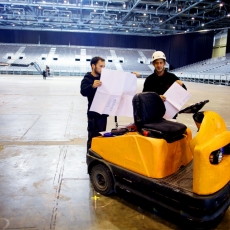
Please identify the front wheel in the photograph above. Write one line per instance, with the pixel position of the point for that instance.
(102, 179)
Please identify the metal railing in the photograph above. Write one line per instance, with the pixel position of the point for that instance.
(210, 78)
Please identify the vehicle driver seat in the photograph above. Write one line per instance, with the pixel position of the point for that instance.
(149, 109)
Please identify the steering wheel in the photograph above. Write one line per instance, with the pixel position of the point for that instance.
(194, 108)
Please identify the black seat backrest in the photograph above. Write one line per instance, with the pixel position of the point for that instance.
(148, 107)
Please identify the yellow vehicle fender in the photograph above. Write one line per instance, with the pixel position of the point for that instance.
(213, 135)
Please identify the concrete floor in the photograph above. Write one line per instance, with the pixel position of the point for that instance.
(43, 174)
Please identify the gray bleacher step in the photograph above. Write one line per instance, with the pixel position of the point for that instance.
(50, 56)
(114, 56)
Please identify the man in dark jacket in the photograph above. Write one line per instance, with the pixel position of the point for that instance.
(161, 79)
(91, 81)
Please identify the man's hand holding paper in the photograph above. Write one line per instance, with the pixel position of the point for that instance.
(176, 97)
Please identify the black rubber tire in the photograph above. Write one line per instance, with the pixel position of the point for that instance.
(102, 179)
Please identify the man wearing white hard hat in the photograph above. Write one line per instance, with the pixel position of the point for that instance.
(161, 79)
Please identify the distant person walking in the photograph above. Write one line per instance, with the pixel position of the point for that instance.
(46, 72)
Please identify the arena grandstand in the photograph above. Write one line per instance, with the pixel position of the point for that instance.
(71, 60)
(210, 71)
(75, 61)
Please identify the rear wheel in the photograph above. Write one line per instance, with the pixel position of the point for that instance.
(102, 179)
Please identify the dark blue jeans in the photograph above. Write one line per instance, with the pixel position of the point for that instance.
(95, 125)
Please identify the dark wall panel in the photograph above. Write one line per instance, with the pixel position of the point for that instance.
(180, 49)
(228, 42)
(19, 36)
(189, 48)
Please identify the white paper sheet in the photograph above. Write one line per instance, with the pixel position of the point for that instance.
(114, 96)
(176, 97)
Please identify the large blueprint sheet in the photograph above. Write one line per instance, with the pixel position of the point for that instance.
(176, 97)
(114, 96)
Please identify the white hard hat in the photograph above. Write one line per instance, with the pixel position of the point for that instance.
(158, 55)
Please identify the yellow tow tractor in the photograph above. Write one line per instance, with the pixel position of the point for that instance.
(186, 177)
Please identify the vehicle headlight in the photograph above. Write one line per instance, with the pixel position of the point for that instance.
(216, 157)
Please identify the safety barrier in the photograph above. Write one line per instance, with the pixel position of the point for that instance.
(217, 79)
(56, 72)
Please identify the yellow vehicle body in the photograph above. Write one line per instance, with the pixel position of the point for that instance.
(147, 156)
(156, 158)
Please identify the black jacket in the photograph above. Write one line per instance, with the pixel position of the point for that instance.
(88, 91)
(160, 84)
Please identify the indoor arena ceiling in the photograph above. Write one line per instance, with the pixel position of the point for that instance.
(136, 17)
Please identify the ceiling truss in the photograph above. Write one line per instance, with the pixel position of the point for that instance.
(135, 17)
